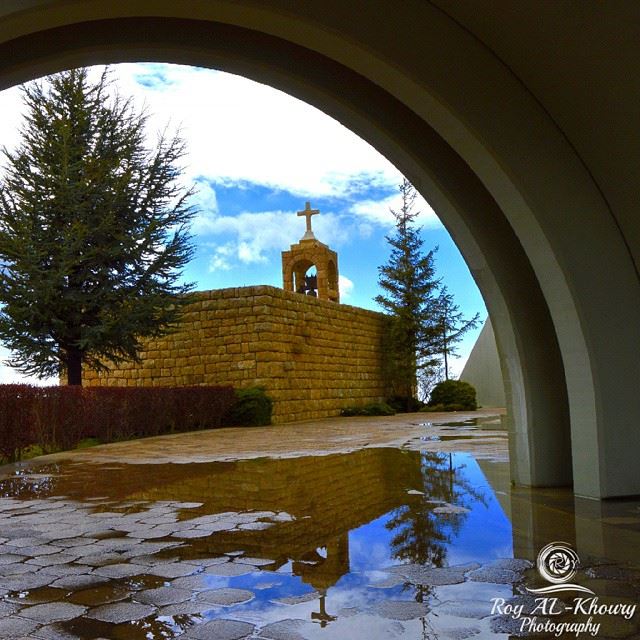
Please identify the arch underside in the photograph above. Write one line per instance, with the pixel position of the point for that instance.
(498, 193)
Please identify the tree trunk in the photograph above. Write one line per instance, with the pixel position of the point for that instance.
(445, 349)
(74, 366)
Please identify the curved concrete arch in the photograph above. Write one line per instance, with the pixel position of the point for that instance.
(429, 88)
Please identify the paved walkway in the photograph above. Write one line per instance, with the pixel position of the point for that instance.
(313, 437)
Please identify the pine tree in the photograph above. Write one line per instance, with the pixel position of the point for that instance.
(410, 298)
(451, 327)
(93, 230)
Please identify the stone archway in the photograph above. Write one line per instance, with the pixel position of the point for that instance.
(517, 177)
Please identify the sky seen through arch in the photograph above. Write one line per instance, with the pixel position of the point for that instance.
(256, 155)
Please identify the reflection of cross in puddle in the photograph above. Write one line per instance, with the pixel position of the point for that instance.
(322, 616)
(321, 569)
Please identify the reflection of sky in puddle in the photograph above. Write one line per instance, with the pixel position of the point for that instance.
(484, 534)
(480, 535)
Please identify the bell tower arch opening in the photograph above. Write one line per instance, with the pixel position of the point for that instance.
(305, 278)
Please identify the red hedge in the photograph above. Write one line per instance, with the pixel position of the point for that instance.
(59, 417)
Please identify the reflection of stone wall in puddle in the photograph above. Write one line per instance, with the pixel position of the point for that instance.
(314, 357)
(338, 491)
(328, 495)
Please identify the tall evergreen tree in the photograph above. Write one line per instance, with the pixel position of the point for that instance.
(93, 230)
(410, 298)
(451, 327)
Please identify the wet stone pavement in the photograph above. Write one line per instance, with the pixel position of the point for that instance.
(372, 542)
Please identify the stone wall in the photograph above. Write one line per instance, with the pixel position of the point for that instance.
(314, 357)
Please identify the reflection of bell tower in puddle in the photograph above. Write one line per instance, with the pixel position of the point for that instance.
(323, 571)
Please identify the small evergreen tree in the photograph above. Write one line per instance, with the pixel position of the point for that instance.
(451, 327)
(93, 230)
(410, 298)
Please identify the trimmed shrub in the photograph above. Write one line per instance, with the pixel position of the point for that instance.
(55, 418)
(371, 409)
(453, 395)
(16, 423)
(125, 412)
(252, 408)
(60, 416)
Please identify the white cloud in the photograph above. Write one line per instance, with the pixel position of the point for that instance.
(365, 230)
(204, 199)
(223, 257)
(253, 236)
(11, 117)
(346, 287)
(240, 130)
(379, 211)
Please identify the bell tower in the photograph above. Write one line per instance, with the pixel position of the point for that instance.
(298, 264)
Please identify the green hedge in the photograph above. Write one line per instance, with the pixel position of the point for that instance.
(453, 395)
(252, 408)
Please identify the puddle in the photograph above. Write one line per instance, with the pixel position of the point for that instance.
(446, 437)
(473, 428)
(481, 422)
(376, 543)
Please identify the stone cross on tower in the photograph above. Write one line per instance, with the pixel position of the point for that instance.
(308, 212)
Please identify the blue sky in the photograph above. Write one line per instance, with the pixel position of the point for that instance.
(256, 155)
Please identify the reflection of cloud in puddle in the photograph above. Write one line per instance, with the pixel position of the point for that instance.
(365, 553)
(364, 626)
(266, 585)
(473, 591)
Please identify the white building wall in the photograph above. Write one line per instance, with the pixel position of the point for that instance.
(483, 369)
